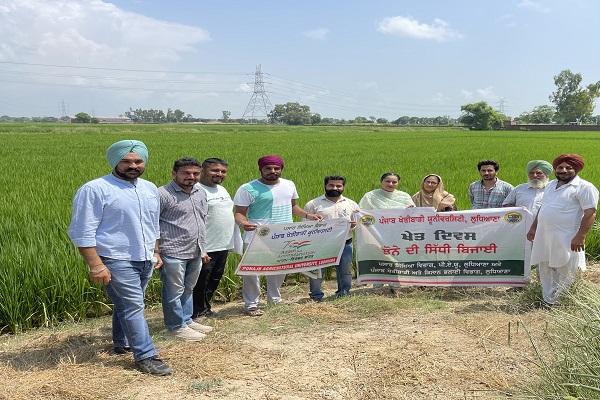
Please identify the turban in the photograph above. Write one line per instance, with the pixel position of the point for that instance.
(574, 160)
(117, 151)
(270, 160)
(544, 166)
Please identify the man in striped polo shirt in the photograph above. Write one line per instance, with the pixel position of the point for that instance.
(267, 200)
(183, 210)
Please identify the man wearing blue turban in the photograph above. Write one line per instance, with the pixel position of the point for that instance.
(115, 226)
(529, 195)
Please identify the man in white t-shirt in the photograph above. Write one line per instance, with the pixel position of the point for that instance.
(219, 234)
(558, 232)
(267, 200)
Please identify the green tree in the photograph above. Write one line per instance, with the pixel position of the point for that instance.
(481, 116)
(315, 119)
(539, 115)
(83, 118)
(290, 114)
(573, 103)
(226, 116)
(382, 121)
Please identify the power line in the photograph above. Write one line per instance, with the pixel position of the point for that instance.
(120, 69)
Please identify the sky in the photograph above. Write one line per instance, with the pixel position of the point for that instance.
(342, 58)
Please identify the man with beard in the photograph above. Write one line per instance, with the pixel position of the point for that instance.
(219, 234)
(333, 205)
(530, 194)
(558, 232)
(489, 192)
(115, 226)
(268, 200)
(183, 212)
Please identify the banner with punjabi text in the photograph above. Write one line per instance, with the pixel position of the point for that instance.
(419, 246)
(294, 247)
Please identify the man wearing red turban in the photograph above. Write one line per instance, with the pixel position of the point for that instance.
(268, 200)
(558, 232)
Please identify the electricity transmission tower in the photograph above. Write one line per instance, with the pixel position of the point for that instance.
(259, 105)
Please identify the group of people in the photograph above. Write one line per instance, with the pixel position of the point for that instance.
(125, 227)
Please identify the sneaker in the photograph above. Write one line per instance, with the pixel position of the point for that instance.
(254, 312)
(153, 366)
(187, 333)
(199, 327)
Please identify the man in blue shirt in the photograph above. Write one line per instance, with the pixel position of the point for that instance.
(115, 227)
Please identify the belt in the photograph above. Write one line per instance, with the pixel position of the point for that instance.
(349, 241)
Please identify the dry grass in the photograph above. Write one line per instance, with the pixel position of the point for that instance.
(416, 344)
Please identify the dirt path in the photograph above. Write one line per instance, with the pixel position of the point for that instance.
(419, 344)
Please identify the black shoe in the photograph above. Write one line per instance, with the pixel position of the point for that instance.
(153, 366)
(121, 350)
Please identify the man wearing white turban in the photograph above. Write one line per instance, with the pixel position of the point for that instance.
(115, 227)
(529, 195)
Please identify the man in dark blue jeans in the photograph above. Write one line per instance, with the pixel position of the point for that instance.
(115, 227)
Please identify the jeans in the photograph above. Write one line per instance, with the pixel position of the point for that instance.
(178, 280)
(208, 282)
(129, 280)
(343, 274)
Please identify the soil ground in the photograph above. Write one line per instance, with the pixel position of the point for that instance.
(417, 343)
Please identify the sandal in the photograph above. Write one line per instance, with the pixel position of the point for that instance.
(254, 312)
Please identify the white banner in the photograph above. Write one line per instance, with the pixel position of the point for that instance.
(418, 246)
(295, 247)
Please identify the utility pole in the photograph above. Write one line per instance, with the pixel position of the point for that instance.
(501, 104)
(259, 104)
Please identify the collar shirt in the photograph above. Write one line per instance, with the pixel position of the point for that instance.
(524, 195)
(343, 208)
(559, 220)
(182, 221)
(117, 217)
(493, 198)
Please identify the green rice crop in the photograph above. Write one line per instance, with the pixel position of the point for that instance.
(44, 280)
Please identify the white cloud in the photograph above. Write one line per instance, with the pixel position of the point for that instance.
(508, 20)
(244, 87)
(533, 6)
(91, 32)
(440, 98)
(486, 94)
(409, 27)
(317, 34)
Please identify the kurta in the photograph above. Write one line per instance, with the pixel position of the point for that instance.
(559, 219)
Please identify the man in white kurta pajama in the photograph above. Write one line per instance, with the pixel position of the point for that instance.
(558, 232)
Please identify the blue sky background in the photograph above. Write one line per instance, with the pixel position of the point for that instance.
(343, 58)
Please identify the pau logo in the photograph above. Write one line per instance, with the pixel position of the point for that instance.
(263, 231)
(367, 220)
(513, 217)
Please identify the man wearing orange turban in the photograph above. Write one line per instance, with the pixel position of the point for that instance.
(558, 232)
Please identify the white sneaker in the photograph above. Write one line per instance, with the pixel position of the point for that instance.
(186, 333)
(199, 327)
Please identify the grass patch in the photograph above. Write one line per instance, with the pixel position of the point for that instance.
(205, 385)
(572, 370)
